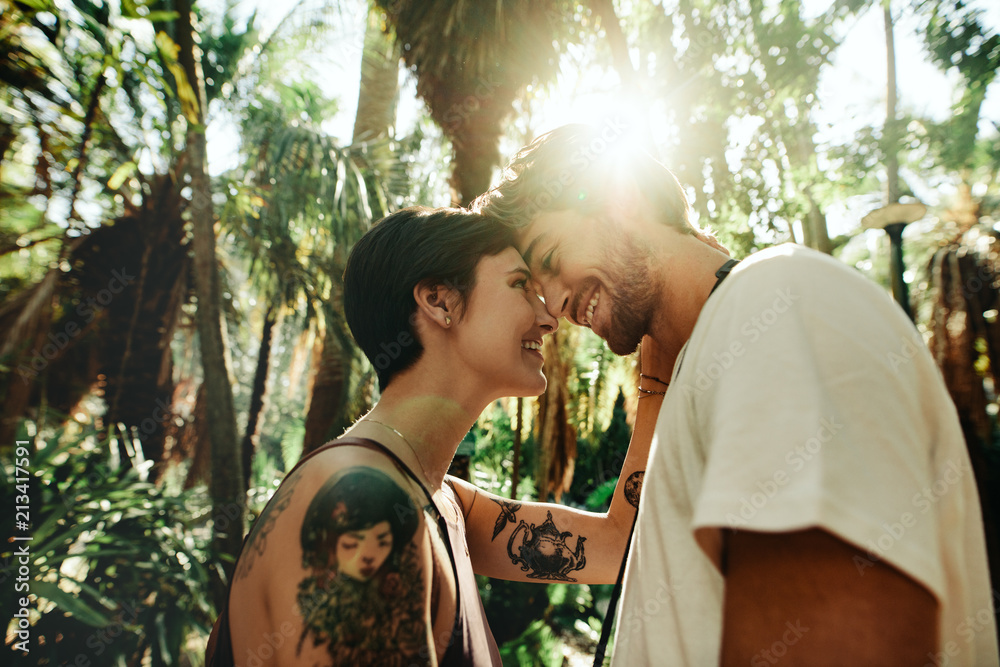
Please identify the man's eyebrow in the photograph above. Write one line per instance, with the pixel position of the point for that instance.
(526, 255)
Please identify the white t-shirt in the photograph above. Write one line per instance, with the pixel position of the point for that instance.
(804, 398)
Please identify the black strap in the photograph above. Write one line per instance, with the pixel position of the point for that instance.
(609, 618)
(723, 271)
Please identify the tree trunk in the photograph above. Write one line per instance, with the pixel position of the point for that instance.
(379, 82)
(556, 438)
(326, 399)
(332, 363)
(476, 145)
(518, 425)
(226, 487)
(605, 9)
(814, 230)
(890, 134)
(257, 395)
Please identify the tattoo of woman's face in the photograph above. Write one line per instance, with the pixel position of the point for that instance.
(363, 595)
(360, 553)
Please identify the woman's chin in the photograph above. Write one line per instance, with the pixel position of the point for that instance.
(533, 389)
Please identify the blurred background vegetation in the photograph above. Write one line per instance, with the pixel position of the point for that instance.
(181, 182)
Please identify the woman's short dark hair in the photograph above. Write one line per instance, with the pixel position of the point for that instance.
(417, 244)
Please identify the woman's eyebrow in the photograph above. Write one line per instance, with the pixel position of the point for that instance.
(520, 269)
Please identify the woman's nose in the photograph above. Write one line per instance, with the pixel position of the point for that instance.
(544, 319)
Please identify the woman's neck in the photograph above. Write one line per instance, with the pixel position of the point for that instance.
(421, 426)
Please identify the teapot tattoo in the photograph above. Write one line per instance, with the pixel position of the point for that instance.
(544, 551)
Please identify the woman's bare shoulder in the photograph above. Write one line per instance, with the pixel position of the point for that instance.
(344, 531)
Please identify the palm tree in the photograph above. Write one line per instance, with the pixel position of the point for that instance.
(314, 198)
(472, 60)
(342, 385)
(79, 326)
(104, 316)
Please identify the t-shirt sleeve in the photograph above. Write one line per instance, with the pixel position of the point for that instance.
(804, 391)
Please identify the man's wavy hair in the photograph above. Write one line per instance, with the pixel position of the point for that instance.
(411, 246)
(575, 167)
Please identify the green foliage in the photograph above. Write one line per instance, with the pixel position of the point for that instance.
(958, 40)
(120, 555)
(600, 462)
(225, 43)
(492, 462)
(569, 622)
(511, 606)
(116, 564)
(538, 646)
(737, 83)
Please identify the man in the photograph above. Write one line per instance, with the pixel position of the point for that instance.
(808, 497)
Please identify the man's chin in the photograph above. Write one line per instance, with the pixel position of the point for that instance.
(622, 344)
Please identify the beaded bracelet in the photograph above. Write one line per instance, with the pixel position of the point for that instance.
(654, 378)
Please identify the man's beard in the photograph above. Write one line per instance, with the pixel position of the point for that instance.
(634, 295)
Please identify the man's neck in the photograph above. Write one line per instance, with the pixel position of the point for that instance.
(688, 274)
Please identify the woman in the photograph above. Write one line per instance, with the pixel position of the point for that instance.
(443, 307)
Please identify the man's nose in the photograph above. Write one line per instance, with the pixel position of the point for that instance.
(556, 299)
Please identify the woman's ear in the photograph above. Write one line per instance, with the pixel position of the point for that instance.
(436, 302)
